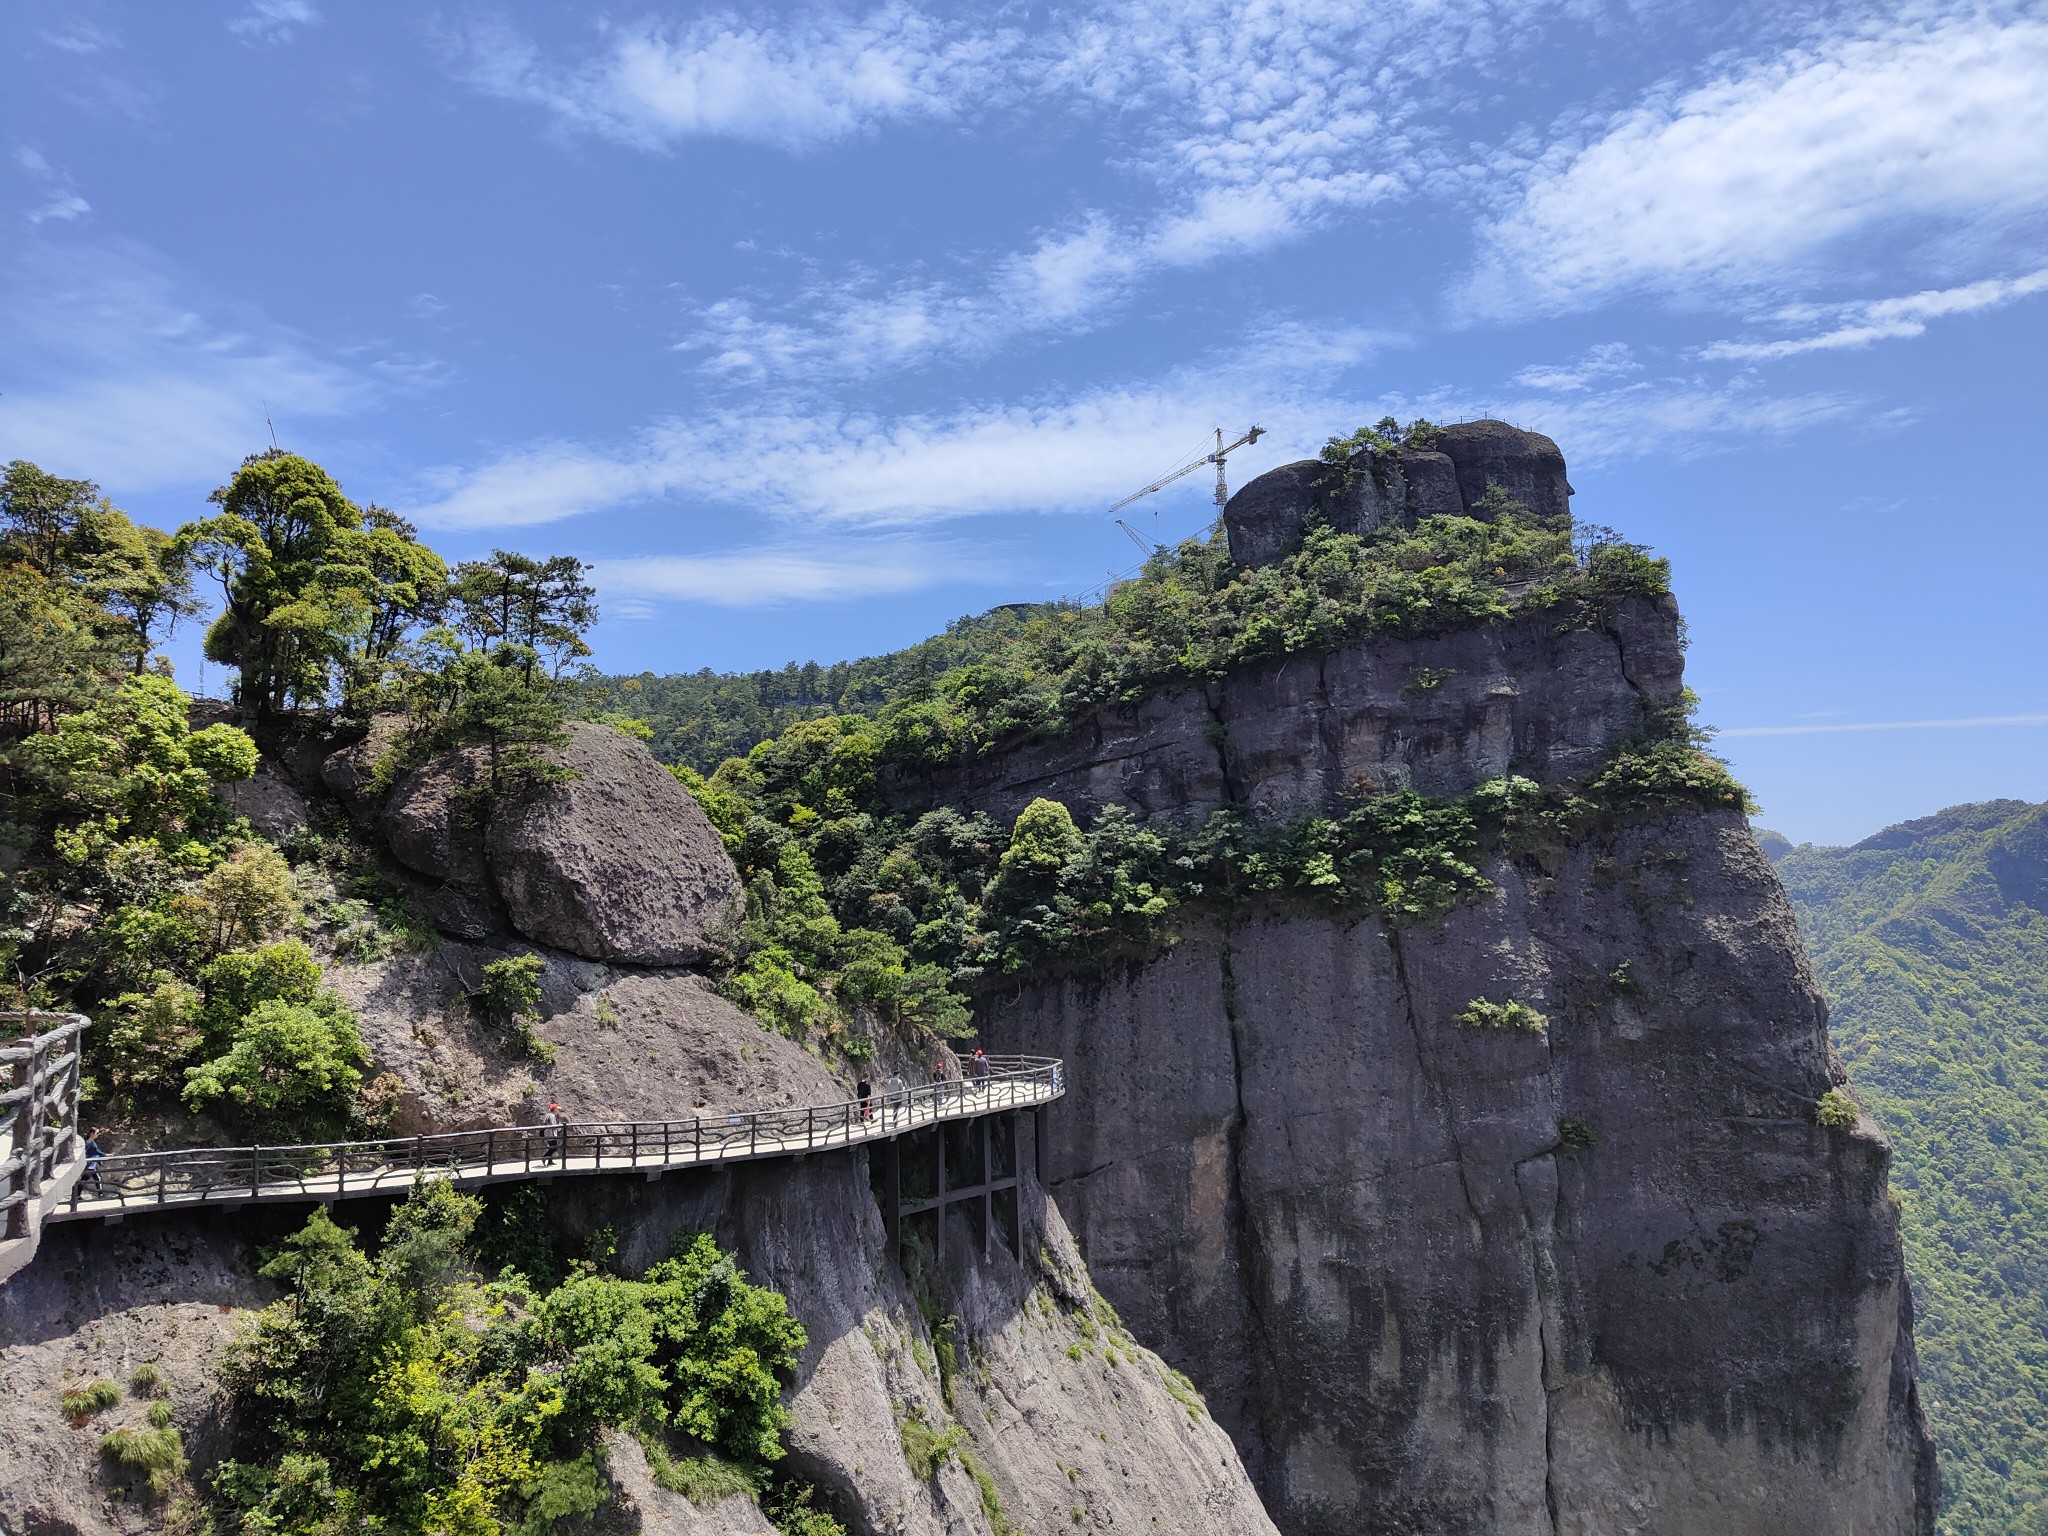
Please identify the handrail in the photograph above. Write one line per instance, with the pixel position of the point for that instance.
(40, 1148)
(336, 1169)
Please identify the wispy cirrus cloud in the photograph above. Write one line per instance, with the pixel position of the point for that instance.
(1233, 130)
(771, 575)
(1931, 123)
(274, 21)
(1968, 722)
(812, 467)
(807, 82)
(1860, 323)
(117, 375)
(61, 200)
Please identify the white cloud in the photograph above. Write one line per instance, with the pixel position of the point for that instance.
(1860, 324)
(1071, 455)
(721, 76)
(1919, 124)
(1883, 725)
(116, 377)
(63, 202)
(775, 574)
(62, 206)
(273, 21)
(79, 36)
(1607, 361)
(1244, 128)
(1682, 417)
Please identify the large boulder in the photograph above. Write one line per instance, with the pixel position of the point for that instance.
(619, 863)
(1527, 465)
(1266, 519)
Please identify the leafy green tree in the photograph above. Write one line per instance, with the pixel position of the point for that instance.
(55, 652)
(40, 511)
(132, 762)
(136, 574)
(727, 1345)
(542, 606)
(248, 896)
(293, 1072)
(315, 591)
(398, 1394)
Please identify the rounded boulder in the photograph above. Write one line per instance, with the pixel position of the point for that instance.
(619, 863)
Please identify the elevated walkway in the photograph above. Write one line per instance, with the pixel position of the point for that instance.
(187, 1177)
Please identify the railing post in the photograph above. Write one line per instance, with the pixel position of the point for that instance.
(163, 1174)
(636, 1143)
(664, 1142)
(491, 1152)
(255, 1171)
(810, 1129)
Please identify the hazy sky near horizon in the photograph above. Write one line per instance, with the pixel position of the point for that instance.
(817, 327)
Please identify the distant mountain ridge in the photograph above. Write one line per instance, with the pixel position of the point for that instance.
(1931, 941)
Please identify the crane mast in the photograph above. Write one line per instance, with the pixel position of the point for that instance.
(1223, 451)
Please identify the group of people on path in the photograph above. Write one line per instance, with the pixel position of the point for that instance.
(896, 1092)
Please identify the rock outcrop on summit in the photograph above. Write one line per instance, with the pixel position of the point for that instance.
(1266, 518)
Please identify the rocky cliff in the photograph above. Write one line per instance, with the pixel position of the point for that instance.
(1605, 1275)
(1054, 1417)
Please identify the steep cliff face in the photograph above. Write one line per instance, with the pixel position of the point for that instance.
(1299, 733)
(1072, 1425)
(1605, 1276)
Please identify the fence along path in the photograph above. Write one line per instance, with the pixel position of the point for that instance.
(140, 1181)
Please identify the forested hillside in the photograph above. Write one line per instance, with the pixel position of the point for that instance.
(1931, 940)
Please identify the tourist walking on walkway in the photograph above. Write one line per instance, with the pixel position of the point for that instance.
(895, 1091)
(555, 1134)
(864, 1091)
(93, 1153)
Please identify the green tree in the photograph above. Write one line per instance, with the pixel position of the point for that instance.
(40, 511)
(136, 574)
(132, 763)
(55, 653)
(543, 606)
(315, 590)
(293, 1072)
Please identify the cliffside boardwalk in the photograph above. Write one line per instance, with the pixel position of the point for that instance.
(48, 1181)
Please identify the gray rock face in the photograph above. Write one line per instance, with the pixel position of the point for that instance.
(1058, 1421)
(1527, 465)
(1302, 732)
(1369, 1233)
(270, 804)
(619, 864)
(1356, 1222)
(1265, 520)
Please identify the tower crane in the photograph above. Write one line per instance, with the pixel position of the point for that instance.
(1222, 452)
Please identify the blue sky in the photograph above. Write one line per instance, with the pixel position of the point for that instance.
(815, 328)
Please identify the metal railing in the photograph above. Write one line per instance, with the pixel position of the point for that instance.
(38, 1112)
(337, 1170)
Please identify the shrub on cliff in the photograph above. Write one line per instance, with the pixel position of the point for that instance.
(402, 1393)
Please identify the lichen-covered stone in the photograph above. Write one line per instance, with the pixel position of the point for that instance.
(1527, 465)
(619, 863)
(1298, 733)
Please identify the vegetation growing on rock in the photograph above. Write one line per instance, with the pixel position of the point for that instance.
(1189, 614)
(403, 1391)
(1931, 940)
